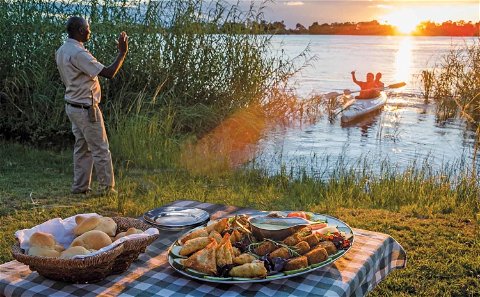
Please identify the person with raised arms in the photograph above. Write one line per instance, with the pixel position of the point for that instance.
(368, 89)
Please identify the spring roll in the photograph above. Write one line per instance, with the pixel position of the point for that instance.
(193, 245)
(243, 259)
(254, 269)
(197, 233)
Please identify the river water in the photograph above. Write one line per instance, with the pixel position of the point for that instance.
(404, 132)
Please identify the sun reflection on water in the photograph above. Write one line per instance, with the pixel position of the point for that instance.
(403, 60)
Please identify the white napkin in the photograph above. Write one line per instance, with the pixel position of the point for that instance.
(62, 230)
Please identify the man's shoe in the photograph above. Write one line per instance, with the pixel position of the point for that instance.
(82, 192)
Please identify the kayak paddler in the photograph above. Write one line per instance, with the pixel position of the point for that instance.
(368, 89)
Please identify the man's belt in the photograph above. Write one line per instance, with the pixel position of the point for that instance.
(78, 105)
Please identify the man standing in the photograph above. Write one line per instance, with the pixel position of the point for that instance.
(79, 71)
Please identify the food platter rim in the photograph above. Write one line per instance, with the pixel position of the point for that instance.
(170, 260)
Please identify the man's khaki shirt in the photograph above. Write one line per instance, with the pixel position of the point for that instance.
(79, 72)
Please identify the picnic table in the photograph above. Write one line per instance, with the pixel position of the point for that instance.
(370, 259)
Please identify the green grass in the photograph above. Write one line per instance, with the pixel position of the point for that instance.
(435, 220)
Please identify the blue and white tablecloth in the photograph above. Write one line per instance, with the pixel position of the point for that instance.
(371, 258)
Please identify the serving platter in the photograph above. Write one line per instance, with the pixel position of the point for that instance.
(176, 218)
(175, 259)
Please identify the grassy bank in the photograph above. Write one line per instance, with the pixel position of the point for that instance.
(433, 219)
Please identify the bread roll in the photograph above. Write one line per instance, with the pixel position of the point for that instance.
(59, 248)
(73, 251)
(43, 252)
(108, 226)
(86, 225)
(79, 219)
(119, 235)
(42, 239)
(44, 245)
(93, 239)
(104, 224)
(132, 230)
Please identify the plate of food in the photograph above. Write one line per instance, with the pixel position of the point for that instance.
(260, 247)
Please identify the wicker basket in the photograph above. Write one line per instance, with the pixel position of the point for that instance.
(90, 269)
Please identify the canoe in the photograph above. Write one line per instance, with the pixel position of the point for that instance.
(361, 107)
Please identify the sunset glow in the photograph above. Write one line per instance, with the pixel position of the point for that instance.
(407, 17)
(404, 14)
(404, 20)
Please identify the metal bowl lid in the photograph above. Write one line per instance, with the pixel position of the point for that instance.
(176, 218)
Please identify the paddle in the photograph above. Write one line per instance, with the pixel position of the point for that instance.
(392, 86)
(351, 101)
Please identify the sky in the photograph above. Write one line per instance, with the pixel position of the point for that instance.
(406, 12)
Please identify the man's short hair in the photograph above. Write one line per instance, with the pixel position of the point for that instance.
(74, 24)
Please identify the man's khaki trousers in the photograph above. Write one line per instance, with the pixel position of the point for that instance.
(91, 149)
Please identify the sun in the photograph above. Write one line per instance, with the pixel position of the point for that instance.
(406, 26)
(406, 21)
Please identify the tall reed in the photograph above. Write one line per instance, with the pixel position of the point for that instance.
(455, 87)
(454, 83)
(190, 65)
(427, 79)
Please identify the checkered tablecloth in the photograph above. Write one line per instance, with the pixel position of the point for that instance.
(370, 259)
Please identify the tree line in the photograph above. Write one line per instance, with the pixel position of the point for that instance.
(426, 28)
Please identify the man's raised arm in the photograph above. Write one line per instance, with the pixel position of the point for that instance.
(110, 71)
(354, 78)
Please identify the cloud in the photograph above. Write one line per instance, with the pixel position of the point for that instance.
(294, 3)
(381, 6)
